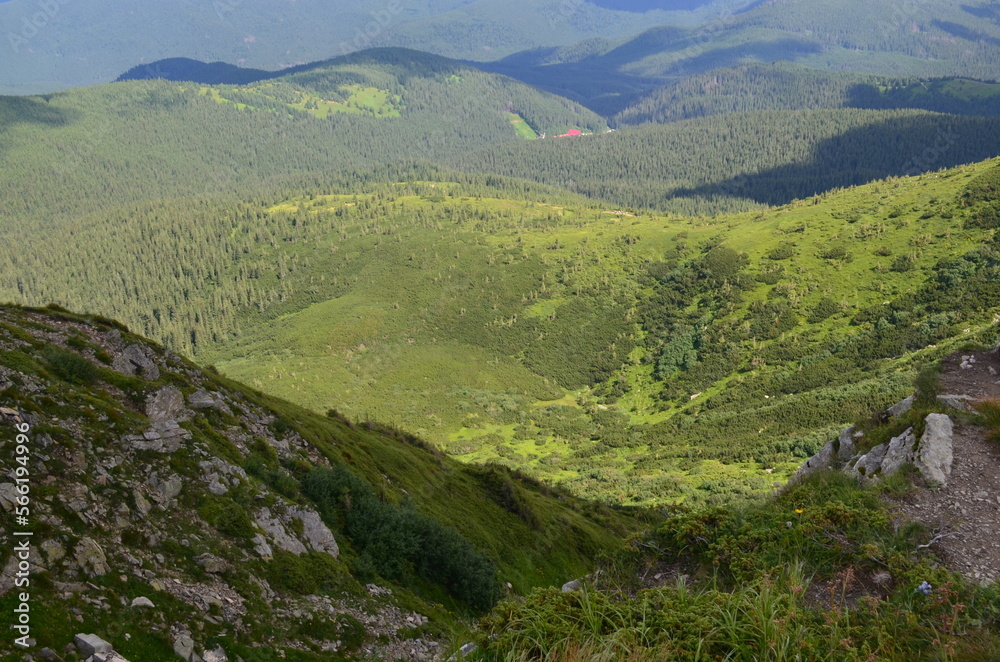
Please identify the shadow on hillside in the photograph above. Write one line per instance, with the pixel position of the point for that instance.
(966, 33)
(30, 110)
(599, 83)
(990, 13)
(897, 147)
(930, 95)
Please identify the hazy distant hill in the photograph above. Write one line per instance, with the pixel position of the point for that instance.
(946, 38)
(56, 45)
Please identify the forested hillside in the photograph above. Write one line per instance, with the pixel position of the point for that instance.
(632, 358)
(741, 160)
(785, 86)
(948, 38)
(73, 153)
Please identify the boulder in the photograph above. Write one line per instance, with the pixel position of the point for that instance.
(167, 404)
(276, 530)
(821, 460)
(53, 550)
(91, 557)
(90, 644)
(870, 463)
(168, 490)
(203, 399)
(845, 444)
(217, 654)
(573, 585)
(142, 602)
(899, 452)
(212, 564)
(935, 453)
(901, 407)
(137, 362)
(8, 496)
(261, 547)
(142, 504)
(184, 647)
(316, 533)
(958, 402)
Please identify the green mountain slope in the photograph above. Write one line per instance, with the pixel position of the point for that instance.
(927, 39)
(739, 160)
(151, 478)
(785, 86)
(633, 358)
(77, 152)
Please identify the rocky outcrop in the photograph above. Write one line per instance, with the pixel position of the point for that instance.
(167, 404)
(314, 532)
(202, 399)
(931, 456)
(901, 408)
(899, 453)
(91, 557)
(935, 453)
(136, 361)
(961, 403)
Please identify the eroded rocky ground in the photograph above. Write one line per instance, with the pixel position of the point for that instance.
(966, 512)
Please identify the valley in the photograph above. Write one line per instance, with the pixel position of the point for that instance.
(361, 342)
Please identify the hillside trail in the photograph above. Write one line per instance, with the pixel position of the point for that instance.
(966, 513)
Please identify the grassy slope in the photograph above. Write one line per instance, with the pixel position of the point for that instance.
(561, 540)
(418, 329)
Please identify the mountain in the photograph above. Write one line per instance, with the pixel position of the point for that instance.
(786, 86)
(948, 38)
(55, 45)
(78, 152)
(631, 358)
(173, 510)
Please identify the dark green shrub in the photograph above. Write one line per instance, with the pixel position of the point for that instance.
(70, 366)
(228, 517)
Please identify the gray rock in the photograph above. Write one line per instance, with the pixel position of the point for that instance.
(212, 564)
(8, 496)
(142, 504)
(316, 533)
(54, 552)
(142, 602)
(49, 654)
(821, 460)
(184, 647)
(935, 453)
(958, 402)
(261, 547)
(217, 654)
(466, 650)
(845, 444)
(901, 407)
(870, 463)
(899, 452)
(170, 489)
(167, 404)
(91, 557)
(276, 530)
(137, 362)
(216, 486)
(206, 400)
(89, 644)
(573, 585)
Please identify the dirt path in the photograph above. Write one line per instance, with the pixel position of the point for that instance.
(967, 511)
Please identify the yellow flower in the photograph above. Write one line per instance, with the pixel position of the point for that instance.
(799, 511)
